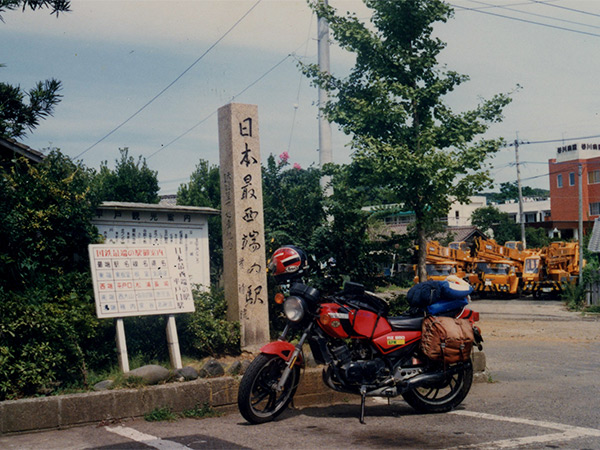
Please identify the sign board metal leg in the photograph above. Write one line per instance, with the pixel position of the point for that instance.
(122, 347)
(173, 343)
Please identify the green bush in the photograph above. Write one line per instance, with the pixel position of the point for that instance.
(206, 332)
(49, 339)
(574, 295)
(49, 334)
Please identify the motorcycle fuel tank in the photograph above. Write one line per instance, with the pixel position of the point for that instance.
(343, 322)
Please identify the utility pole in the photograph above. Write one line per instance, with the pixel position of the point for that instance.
(580, 231)
(521, 215)
(325, 148)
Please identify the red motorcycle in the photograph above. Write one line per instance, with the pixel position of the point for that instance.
(364, 351)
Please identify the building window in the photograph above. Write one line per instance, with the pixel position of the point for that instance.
(530, 217)
(571, 178)
(559, 180)
(595, 209)
(594, 177)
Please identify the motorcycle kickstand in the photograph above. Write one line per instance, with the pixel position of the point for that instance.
(363, 394)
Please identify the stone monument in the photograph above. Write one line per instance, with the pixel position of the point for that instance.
(242, 219)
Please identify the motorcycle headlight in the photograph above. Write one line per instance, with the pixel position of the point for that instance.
(294, 309)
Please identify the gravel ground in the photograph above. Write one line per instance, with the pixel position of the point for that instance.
(545, 321)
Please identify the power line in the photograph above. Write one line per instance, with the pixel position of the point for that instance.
(172, 83)
(574, 163)
(534, 14)
(566, 8)
(525, 20)
(551, 141)
(528, 2)
(215, 111)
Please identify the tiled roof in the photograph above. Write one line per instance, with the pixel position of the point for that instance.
(10, 145)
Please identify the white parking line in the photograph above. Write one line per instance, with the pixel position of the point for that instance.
(147, 439)
(568, 432)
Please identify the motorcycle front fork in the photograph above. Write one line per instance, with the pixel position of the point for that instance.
(294, 357)
(292, 360)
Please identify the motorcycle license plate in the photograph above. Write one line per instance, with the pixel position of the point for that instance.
(488, 283)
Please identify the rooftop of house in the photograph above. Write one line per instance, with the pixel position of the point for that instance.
(9, 148)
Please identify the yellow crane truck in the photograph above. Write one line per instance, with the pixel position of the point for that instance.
(443, 261)
(553, 267)
(496, 271)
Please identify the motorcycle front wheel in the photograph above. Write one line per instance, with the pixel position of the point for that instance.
(443, 396)
(258, 400)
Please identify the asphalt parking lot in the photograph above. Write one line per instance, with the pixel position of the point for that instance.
(542, 392)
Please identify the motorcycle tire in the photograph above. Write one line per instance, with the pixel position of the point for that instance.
(444, 396)
(258, 401)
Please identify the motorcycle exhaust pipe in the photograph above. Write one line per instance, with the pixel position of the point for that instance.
(422, 380)
(431, 378)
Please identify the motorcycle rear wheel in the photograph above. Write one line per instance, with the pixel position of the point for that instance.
(258, 401)
(444, 396)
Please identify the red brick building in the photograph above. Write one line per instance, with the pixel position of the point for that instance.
(564, 187)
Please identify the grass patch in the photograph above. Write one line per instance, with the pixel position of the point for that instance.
(201, 412)
(595, 309)
(131, 381)
(197, 412)
(161, 414)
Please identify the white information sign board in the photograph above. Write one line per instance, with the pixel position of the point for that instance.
(137, 280)
(140, 224)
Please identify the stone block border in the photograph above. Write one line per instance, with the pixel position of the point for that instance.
(63, 411)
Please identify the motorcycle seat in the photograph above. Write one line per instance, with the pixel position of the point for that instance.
(405, 323)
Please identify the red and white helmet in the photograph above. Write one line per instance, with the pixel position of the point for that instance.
(287, 263)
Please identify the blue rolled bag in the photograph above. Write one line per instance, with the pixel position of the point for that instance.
(439, 297)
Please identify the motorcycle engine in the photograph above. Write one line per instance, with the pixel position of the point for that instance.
(354, 366)
(362, 372)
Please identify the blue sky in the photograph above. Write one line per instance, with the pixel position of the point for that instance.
(113, 57)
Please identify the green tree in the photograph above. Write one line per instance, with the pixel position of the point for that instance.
(57, 6)
(45, 213)
(536, 237)
(48, 330)
(130, 181)
(341, 242)
(392, 105)
(21, 111)
(502, 227)
(204, 189)
(293, 203)
(510, 191)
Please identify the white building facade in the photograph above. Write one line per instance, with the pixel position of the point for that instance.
(534, 210)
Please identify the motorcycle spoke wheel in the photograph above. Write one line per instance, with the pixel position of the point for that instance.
(258, 400)
(444, 396)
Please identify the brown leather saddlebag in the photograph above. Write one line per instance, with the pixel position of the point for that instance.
(447, 339)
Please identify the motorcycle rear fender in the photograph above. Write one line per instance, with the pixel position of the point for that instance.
(284, 350)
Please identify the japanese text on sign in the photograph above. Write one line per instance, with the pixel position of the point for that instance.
(137, 281)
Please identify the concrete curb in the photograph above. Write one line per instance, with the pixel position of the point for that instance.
(64, 411)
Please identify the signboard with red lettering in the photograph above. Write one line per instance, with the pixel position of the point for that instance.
(140, 280)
